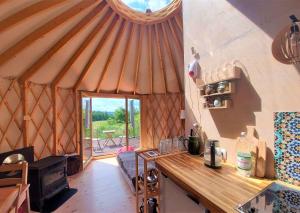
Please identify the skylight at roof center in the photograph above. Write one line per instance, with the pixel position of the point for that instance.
(146, 5)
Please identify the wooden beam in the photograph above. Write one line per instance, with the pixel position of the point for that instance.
(82, 47)
(27, 12)
(126, 124)
(129, 39)
(137, 62)
(86, 68)
(161, 63)
(150, 58)
(54, 111)
(91, 125)
(175, 36)
(42, 60)
(77, 120)
(179, 22)
(80, 126)
(24, 98)
(171, 56)
(39, 32)
(109, 95)
(112, 52)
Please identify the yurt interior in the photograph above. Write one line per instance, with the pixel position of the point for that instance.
(200, 97)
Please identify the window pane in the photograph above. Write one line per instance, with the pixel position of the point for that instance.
(143, 5)
(134, 123)
(108, 125)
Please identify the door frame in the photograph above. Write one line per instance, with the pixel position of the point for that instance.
(91, 95)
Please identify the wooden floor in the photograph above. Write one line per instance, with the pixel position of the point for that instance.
(101, 188)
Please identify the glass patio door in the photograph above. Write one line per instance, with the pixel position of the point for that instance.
(134, 123)
(109, 125)
(86, 133)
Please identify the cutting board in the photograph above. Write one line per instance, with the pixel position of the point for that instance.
(261, 159)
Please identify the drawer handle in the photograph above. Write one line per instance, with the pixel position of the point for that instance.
(193, 198)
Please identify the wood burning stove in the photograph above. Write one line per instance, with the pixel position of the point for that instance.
(47, 177)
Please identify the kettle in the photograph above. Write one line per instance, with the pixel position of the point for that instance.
(212, 154)
(192, 144)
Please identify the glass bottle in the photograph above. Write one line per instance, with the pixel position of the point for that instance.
(243, 156)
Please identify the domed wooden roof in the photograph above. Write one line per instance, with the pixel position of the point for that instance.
(92, 45)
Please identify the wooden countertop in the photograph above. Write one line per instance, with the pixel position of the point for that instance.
(219, 190)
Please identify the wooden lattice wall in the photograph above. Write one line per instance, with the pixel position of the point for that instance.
(40, 119)
(26, 111)
(11, 116)
(27, 118)
(161, 117)
(66, 121)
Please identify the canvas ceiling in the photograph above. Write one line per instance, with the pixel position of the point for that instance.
(92, 45)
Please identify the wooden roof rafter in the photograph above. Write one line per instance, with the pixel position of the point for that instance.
(60, 43)
(112, 52)
(150, 58)
(137, 62)
(44, 29)
(161, 62)
(125, 54)
(145, 63)
(86, 69)
(175, 36)
(82, 47)
(179, 23)
(27, 12)
(168, 48)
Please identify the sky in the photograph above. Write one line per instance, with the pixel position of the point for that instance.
(141, 5)
(109, 104)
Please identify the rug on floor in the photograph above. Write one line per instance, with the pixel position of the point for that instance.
(55, 202)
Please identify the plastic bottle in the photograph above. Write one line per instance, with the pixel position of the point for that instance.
(244, 156)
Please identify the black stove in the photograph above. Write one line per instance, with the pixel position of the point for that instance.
(274, 198)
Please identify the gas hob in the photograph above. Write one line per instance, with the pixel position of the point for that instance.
(274, 198)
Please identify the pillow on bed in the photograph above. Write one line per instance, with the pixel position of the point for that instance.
(124, 149)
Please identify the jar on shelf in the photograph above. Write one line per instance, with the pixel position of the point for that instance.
(209, 89)
(222, 86)
(217, 102)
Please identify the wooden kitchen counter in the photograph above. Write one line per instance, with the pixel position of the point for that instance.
(219, 190)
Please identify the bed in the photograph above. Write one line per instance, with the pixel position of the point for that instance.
(126, 161)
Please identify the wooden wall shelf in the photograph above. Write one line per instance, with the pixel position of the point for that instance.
(142, 185)
(229, 90)
(225, 105)
(146, 192)
(227, 75)
(230, 76)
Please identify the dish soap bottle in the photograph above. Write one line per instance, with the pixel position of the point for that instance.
(244, 157)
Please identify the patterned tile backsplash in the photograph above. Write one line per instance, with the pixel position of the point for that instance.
(287, 146)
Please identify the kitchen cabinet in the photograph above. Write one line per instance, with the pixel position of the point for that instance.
(174, 199)
(219, 190)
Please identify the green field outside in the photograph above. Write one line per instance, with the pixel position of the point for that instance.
(112, 124)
